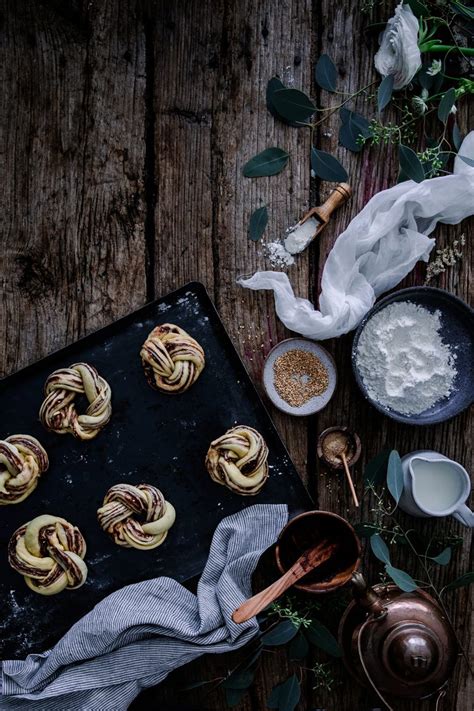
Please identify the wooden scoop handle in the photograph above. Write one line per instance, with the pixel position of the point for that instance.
(308, 561)
(349, 479)
(339, 196)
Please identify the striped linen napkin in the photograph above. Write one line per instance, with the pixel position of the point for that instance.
(135, 637)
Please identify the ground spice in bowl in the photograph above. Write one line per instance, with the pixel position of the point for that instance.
(299, 376)
(335, 440)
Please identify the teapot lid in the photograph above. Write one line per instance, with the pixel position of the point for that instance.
(411, 652)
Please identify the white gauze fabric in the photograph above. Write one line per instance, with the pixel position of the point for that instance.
(377, 250)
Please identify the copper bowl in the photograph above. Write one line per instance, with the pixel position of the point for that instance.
(308, 529)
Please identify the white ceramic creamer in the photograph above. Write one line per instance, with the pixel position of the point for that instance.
(434, 485)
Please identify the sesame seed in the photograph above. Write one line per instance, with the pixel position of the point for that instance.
(299, 376)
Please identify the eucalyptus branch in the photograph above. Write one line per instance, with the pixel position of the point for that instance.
(332, 109)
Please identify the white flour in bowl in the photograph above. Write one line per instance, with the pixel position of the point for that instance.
(402, 359)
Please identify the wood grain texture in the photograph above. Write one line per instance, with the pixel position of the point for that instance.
(73, 149)
(125, 128)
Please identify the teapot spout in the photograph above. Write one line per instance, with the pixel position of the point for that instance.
(366, 596)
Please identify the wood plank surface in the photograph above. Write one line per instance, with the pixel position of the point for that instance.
(73, 115)
(125, 128)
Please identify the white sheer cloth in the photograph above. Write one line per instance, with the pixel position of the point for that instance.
(377, 250)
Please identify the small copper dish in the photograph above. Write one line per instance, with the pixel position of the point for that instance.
(305, 531)
(352, 450)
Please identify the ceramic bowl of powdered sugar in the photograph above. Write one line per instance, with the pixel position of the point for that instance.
(413, 356)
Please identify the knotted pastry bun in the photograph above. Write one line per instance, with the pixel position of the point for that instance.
(58, 412)
(172, 359)
(48, 551)
(238, 460)
(22, 461)
(123, 508)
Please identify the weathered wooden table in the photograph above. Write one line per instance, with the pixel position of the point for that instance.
(125, 128)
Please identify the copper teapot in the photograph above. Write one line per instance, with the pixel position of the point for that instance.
(400, 643)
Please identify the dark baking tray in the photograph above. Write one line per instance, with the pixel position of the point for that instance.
(152, 437)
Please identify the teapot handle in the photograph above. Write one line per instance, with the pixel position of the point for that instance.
(370, 619)
(439, 698)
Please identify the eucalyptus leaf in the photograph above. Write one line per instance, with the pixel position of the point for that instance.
(376, 470)
(395, 475)
(461, 582)
(379, 548)
(403, 580)
(299, 647)
(275, 84)
(321, 637)
(196, 684)
(273, 700)
(325, 73)
(444, 557)
(293, 104)
(326, 167)
(457, 138)
(365, 530)
(239, 680)
(269, 162)
(258, 223)
(384, 92)
(253, 658)
(285, 697)
(446, 104)
(354, 126)
(410, 164)
(402, 177)
(281, 634)
(419, 8)
(233, 697)
(467, 160)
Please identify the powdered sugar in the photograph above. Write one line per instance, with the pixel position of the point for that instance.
(277, 254)
(402, 358)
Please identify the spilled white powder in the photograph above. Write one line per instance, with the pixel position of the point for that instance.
(402, 359)
(277, 254)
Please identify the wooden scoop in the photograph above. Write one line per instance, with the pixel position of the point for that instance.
(349, 478)
(307, 562)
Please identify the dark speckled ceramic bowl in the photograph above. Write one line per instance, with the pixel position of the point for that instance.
(457, 330)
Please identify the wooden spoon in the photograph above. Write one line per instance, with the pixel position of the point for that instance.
(307, 562)
(349, 478)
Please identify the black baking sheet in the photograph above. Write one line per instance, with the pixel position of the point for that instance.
(152, 437)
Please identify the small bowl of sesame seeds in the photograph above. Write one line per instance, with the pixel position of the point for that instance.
(299, 376)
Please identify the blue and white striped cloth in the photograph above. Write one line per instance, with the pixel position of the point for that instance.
(136, 636)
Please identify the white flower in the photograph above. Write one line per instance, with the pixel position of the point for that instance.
(436, 66)
(399, 54)
(419, 104)
(453, 109)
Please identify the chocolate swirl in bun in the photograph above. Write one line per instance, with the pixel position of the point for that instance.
(238, 460)
(48, 551)
(136, 516)
(58, 412)
(172, 359)
(22, 461)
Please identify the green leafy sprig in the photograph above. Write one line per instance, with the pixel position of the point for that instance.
(432, 92)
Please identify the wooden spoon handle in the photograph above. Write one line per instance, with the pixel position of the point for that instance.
(259, 602)
(349, 479)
